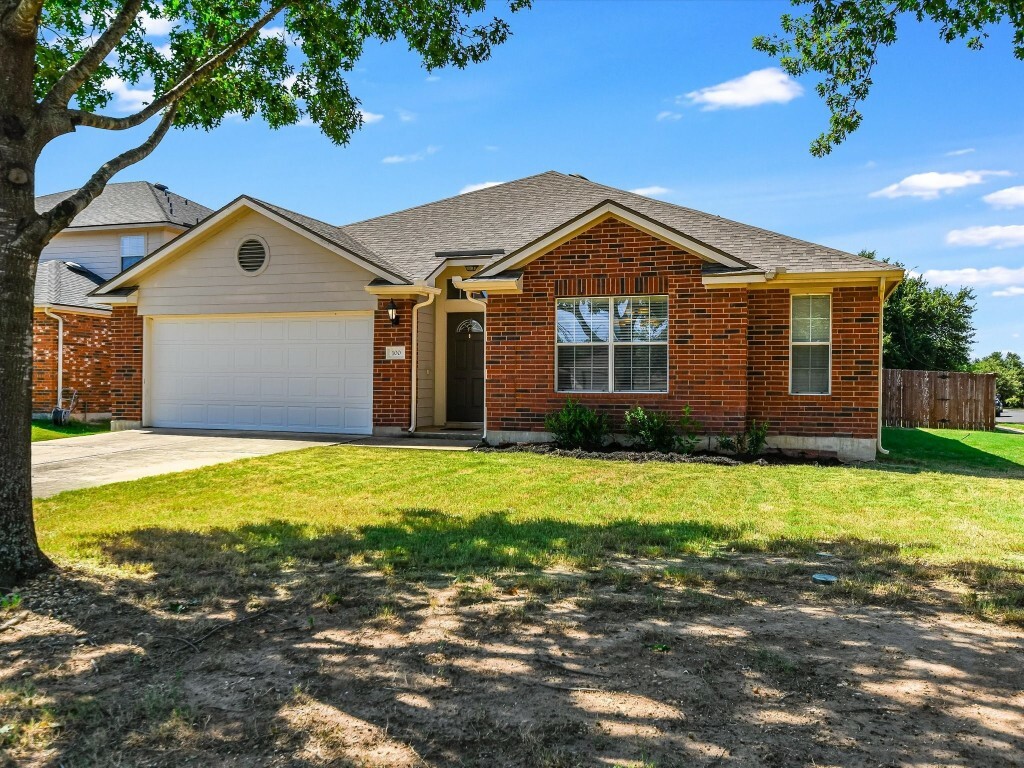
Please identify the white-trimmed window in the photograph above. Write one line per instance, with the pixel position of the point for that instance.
(133, 250)
(810, 338)
(611, 344)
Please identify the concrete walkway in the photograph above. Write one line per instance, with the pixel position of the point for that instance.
(70, 463)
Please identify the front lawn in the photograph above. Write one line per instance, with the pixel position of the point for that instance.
(941, 497)
(45, 430)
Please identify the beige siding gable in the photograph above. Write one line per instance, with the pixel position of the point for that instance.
(300, 276)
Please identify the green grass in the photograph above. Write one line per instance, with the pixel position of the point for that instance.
(942, 497)
(44, 430)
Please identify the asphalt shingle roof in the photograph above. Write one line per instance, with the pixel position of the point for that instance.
(131, 202)
(65, 283)
(511, 215)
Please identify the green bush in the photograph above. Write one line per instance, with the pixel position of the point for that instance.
(650, 430)
(655, 431)
(577, 426)
(750, 442)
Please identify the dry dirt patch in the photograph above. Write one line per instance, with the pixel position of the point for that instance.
(342, 666)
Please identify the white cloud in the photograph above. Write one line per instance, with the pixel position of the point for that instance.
(1013, 290)
(369, 118)
(478, 187)
(929, 186)
(997, 237)
(415, 157)
(652, 191)
(165, 50)
(986, 277)
(272, 32)
(406, 116)
(491, 147)
(668, 114)
(1011, 197)
(127, 98)
(433, 78)
(155, 27)
(960, 152)
(763, 86)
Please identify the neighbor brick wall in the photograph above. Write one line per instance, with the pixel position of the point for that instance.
(86, 361)
(852, 408)
(392, 379)
(126, 364)
(707, 331)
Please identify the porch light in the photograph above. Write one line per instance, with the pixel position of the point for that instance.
(393, 312)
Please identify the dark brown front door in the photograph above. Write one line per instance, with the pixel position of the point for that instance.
(466, 366)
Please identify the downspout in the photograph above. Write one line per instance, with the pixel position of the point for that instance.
(415, 358)
(483, 306)
(60, 354)
(881, 358)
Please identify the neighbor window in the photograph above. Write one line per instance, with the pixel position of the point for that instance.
(133, 249)
(810, 354)
(615, 344)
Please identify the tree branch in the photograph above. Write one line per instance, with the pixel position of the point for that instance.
(22, 20)
(84, 68)
(183, 86)
(54, 220)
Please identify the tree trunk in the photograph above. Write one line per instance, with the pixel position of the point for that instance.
(20, 556)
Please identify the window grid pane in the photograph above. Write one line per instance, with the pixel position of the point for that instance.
(582, 368)
(810, 353)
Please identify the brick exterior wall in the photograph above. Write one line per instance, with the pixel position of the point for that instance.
(86, 361)
(707, 332)
(126, 364)
(728, 348)
(392, 379)
(852, 408)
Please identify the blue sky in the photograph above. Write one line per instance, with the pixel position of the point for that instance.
(625, 94)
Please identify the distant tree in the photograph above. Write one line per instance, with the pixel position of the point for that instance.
(928, 328)
(61, 62)
(840, 40)
(1009, 371)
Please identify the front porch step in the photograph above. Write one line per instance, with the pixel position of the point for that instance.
(446, 433)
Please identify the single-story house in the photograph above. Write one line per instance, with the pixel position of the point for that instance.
(487, 310)
(70, 333)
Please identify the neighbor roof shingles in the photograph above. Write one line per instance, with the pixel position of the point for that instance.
(65, 283)
(512, 215)
(131, 202)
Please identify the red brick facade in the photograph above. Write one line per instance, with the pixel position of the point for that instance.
(728, 348)
(852, 408)
(126, 364)
(392, 379)
(86, 361)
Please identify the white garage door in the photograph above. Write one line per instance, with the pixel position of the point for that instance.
(263, 372)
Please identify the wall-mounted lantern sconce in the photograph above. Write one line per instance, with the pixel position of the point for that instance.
(393, 312)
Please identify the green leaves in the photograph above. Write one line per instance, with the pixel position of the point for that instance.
(295, 67)
(840, 40)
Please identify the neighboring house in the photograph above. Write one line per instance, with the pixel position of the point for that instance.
(70, 333)
(489, 309)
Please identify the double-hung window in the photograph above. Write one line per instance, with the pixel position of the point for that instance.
(133, 249)
(613, 344)
(810, 354)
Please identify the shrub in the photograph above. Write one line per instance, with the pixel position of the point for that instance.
(750, 442)
(577, 426)
(651, 430)
(655, 431)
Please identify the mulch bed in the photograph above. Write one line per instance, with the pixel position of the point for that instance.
(615, 452)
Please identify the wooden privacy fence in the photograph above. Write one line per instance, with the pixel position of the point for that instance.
(939, 399)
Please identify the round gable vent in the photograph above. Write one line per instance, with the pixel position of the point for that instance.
(252, 255)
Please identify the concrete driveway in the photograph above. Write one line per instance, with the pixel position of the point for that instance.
(82, 462)
(1011, 416)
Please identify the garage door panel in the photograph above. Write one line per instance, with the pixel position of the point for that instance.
(262, 373)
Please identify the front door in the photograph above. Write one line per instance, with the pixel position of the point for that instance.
(466, 367)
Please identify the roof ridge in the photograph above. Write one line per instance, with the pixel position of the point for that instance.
(444, 199)
(753, 227)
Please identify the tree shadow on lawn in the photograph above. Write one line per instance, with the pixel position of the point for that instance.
(283, 645)
(913, 450)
